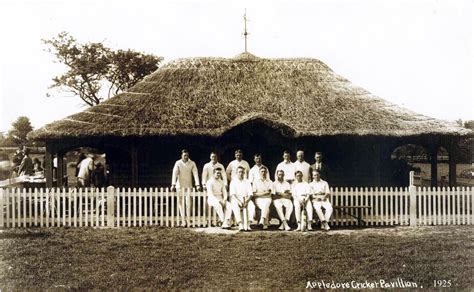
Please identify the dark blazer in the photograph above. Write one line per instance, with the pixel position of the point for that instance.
(26, 166)
(324, 170)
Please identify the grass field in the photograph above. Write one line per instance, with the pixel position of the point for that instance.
(180, 258)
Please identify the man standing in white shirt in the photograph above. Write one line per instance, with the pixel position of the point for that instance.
(302, 165)
(301, 198)
(262, 194)
(254, 173)
(240, 191)
(208, 170)
(287, 166)
(231, 169)
(217, 197)
(320, 198)
(282, 198)
(85, 169)
(184, 171)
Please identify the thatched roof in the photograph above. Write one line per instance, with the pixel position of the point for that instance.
(209, 96)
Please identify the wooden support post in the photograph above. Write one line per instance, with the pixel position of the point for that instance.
(110, 206)
(60, 170)
(452, 150)
(2, 203)
(134, 163)
(377, 164)
(413, 206)
(48, 166)
(434, 164)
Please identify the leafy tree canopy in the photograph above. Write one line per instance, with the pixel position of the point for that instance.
(20, 129)
(96, 72)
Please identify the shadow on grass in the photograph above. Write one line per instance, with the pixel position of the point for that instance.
(5, 234)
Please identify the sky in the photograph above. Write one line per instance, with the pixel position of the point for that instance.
(417, 54)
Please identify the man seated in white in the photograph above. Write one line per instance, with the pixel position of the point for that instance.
(320, 197)
(282, 198)
(301, 198)
(262, 195)
(217, 197)
(240, 191)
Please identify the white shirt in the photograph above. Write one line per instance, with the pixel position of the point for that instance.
(300, 189)
(254, 173)
(240, 188)
(183, 173)
(262, 185)
(288, 168)
(232, 168)
(85, 167)
(216, 188)
(281, 187)
(320, 186)
(208, 172)
(304, 167)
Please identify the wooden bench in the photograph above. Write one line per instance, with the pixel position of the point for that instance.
(358, 212)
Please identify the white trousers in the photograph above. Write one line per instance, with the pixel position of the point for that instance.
(264, 205)
(309, 209)
(279, 204)
(223, 212)
(327, 208)
(184, 205)
(237, 211)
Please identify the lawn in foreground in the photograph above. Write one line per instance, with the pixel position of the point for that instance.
(183, 258)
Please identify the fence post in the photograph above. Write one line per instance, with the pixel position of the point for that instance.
(412, 178)
(110, 206)
(1, 207)
(412, 193)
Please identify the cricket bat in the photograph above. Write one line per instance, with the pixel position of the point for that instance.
(246, 219)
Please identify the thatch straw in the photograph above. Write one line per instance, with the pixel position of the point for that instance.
(209, 96)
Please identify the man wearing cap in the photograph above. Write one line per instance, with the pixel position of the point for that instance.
(217, 197)
(184, 171)
(208, 170)
(282, 199)
(320, 193)
(231, 169)
(262, 195)
(301, 199)
(240, 191)
(287, 166)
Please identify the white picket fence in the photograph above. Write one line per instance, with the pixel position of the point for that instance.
(115, 207)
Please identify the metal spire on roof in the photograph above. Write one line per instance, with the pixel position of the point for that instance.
(245, 29)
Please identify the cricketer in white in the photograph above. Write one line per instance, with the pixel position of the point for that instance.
(301, 198)
(282, 198)
(320, 198)
(217, 197)
(240, 191)
(262, 195)
(183, 172)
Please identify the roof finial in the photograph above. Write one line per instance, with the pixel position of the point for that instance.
(245, 29)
